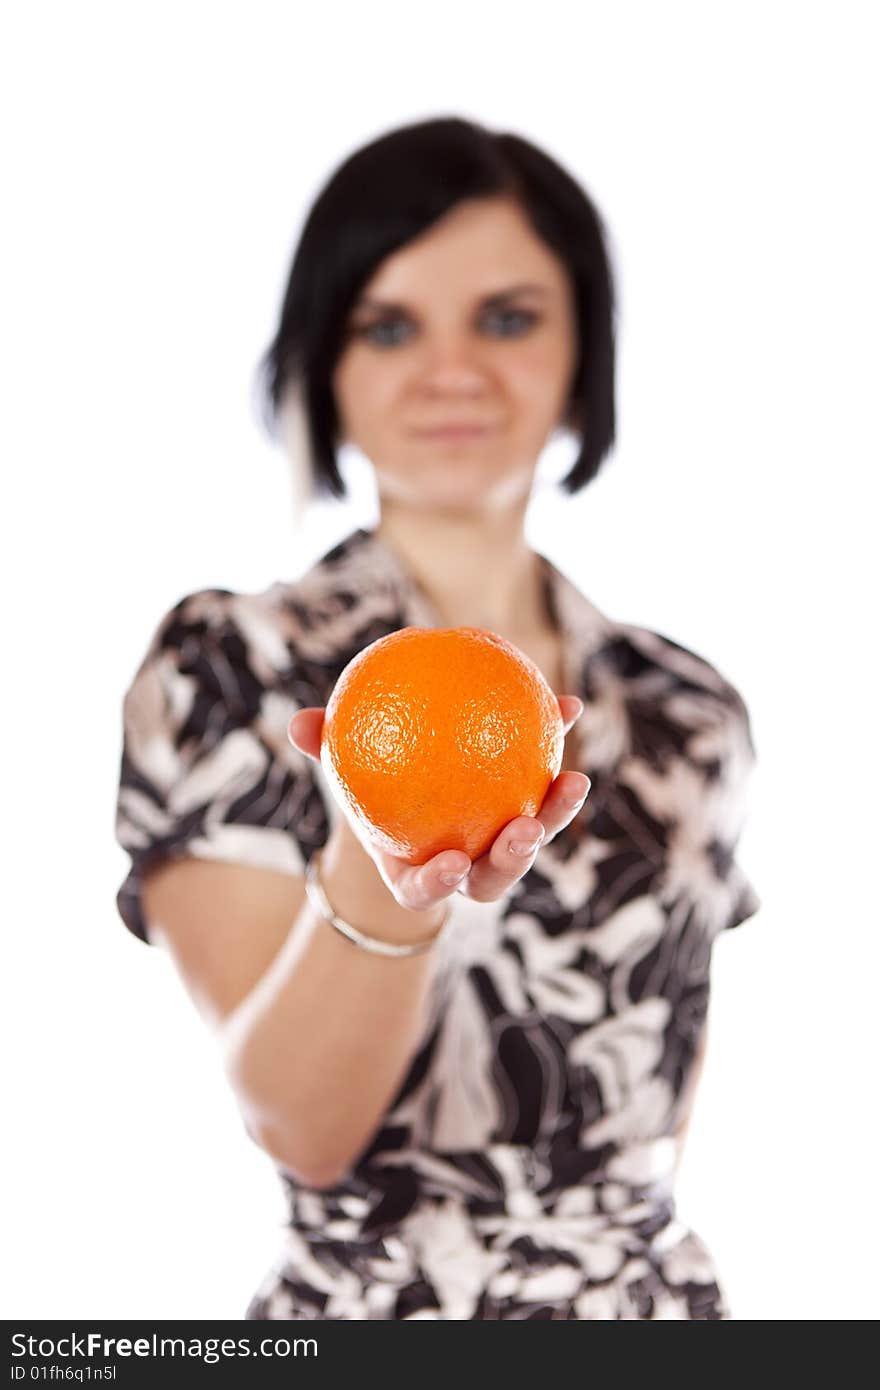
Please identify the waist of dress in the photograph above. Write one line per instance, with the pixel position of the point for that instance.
(504, 1189)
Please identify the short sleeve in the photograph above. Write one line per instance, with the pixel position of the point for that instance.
(207, 770)
(729, 803)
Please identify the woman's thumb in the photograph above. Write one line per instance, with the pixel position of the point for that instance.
(304, 730)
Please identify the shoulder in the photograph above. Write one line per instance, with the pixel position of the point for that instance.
(242, 646)
(201, 614)
(221, 672)
(637, 651)
(211, 646)
(247, 629)
(632, 662)
(675, 696)
(313, 615)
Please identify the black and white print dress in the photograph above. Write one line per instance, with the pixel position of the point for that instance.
(525, 1167)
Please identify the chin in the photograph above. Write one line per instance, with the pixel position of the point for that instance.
(460, 486)
(473, 502)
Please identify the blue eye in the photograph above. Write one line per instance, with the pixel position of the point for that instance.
(375, 332)
(391, 332)
(522, 319)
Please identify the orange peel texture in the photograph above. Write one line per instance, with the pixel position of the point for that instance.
(435, 739)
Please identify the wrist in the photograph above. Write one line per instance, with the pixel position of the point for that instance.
(358, 893)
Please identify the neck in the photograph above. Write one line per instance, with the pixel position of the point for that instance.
(476, 571)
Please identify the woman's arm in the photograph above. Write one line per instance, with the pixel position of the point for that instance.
(316, 1034)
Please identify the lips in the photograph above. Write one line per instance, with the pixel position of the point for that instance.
(454, 431)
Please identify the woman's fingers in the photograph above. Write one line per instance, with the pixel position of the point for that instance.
(421, 886)
(513, 851)
(511, 855)
(571, 707)
(304, 730)
(565, 798)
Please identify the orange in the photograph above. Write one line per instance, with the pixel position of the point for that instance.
(435, 738)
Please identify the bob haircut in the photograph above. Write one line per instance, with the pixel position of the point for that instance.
(383, 196)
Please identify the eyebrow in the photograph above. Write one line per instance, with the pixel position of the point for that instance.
(496, 298)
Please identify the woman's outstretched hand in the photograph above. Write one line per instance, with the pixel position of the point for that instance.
(510, 856)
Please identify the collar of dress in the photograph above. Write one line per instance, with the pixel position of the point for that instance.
(364, 564)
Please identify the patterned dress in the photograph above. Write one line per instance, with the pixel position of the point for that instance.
(525, 1167)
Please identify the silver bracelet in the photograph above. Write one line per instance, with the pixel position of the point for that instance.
(318, 899)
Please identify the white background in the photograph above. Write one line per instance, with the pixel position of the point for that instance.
(159, 162)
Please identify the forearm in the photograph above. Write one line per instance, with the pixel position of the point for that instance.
(318, 1048)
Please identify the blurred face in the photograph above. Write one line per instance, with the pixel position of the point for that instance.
(458, 361)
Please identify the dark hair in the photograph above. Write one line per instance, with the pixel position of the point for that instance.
(386, 194)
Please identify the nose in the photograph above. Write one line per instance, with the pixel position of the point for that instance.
(453, 365)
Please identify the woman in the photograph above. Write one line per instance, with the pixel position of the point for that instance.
(479, 1117)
